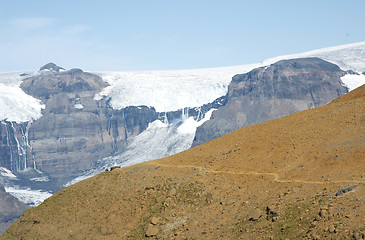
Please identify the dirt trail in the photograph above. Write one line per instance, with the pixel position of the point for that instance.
(275, 175)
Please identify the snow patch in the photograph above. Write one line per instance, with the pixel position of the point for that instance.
(189, 126)
(7, 173)
(78, 106)
(353, 81)
(40, 179)
(28, 196)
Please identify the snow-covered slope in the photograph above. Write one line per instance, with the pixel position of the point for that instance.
(347, 57)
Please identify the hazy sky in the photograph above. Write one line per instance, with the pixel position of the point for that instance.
(172, 34)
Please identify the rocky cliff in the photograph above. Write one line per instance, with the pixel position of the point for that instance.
(266, 93)
(75, 130)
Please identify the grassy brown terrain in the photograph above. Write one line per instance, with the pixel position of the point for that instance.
(298, 177)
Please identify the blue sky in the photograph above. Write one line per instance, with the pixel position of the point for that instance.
(173, 34)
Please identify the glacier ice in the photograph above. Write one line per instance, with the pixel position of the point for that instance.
(17, 106)
(167, 90)
(28, 196)
(352, 81)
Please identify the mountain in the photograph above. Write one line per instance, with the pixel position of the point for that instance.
(59, 127)
(274, 91)
(10, 209)
(300, 176)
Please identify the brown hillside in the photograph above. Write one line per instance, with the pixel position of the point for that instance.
(298, 177)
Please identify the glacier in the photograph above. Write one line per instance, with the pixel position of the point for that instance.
(167, 90)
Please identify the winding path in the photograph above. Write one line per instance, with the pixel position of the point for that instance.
(275, 175)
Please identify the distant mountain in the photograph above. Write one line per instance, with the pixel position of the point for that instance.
(297, 177)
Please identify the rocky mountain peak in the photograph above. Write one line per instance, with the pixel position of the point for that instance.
(73, 81)
(51, 67)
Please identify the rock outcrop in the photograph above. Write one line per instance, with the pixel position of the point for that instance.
(266, 93)
(51, 67)
(10, 209)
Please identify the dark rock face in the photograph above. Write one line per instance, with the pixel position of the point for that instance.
(267, 93)
(10, 209)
